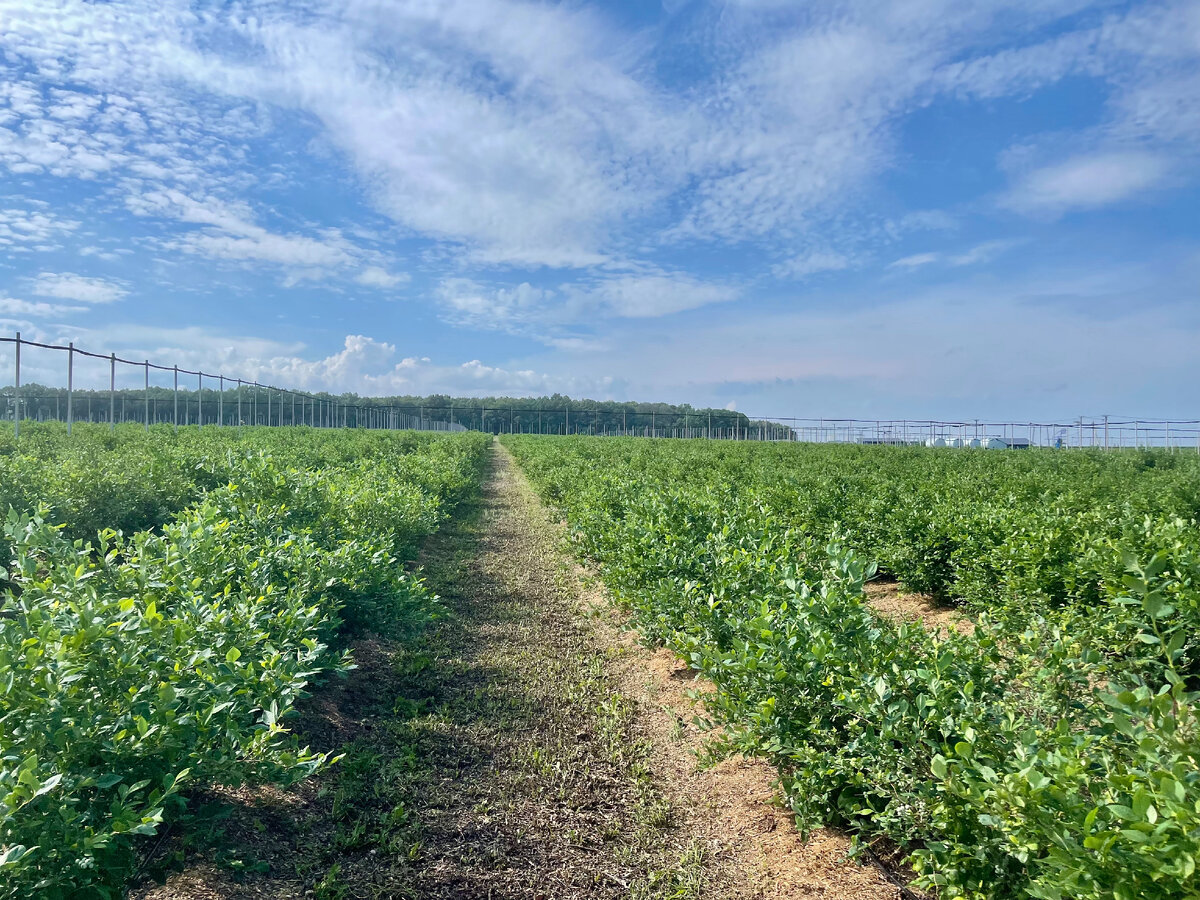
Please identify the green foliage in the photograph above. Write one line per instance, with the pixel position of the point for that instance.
(133, 665)
(1053, 752)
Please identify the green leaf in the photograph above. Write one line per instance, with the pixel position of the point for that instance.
(938, 766)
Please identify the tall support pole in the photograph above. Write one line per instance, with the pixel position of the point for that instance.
(199, 398)
(293, 408)
(1106, 432)
(568, 429)
(268, 407)
(112, 392)
(239, 406)
(17, 392)
(147, 423)
(221, 401)
(70, 383)
(175, 414)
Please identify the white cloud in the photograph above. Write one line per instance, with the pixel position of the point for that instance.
(539, 135)
(12, 307)
(643, 296)
(914, 261)
(811, 262)
(1087, 182)
(363, 365)
(544, 313)
(67, 286)
(228, 232)
(983, 252)
(379, 277)
(947, 350)
(980, 253)
(24, 229)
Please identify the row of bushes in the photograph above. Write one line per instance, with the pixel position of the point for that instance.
(134, 665)
(1020, 535)
(1019, 760)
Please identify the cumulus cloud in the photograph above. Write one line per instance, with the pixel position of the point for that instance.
(363, 365)
(379, 277)
(33, 229)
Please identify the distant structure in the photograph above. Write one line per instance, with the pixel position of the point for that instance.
(986, 443)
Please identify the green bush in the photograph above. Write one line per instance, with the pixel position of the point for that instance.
(132, 665)
(1052, 752)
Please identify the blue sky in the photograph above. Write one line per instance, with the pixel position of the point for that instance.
(911, 209)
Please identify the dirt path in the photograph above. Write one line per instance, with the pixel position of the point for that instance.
(524, 748)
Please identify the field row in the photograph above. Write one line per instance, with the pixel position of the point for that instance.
(136, 665)
(1053, 752)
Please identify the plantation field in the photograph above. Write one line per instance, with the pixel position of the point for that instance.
(1052, 752)
(166, 601)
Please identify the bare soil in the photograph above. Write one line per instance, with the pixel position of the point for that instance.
(526, 747)
(887, 599)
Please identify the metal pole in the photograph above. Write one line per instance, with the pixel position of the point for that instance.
(147, 395)
(112, 392)
(175, 414)
(70, 382)
(221, 401)
(268, 407)
(17, 393)
(1106, 432)
(199, 398)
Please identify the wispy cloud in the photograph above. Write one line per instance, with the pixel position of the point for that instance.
(550, 314)
(552, 177)
(13, 307)
(811, 262)
(228, 232)
(67, 286)
(979, 253)
(914, 261)
(1087, 182)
